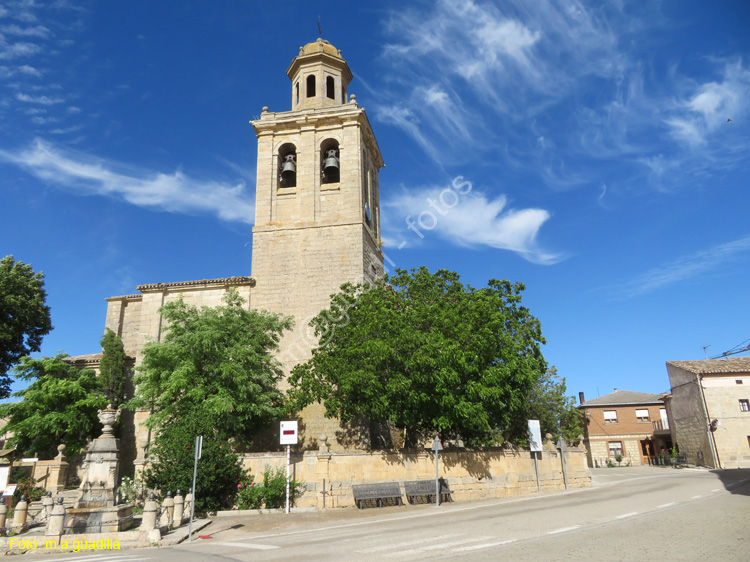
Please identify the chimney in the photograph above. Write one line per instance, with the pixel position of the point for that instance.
(581, 398)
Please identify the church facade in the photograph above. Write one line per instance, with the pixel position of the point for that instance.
(317, 226)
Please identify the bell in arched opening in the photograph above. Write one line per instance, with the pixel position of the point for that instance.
(289, 171)
(331, 169)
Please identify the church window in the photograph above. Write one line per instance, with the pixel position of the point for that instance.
(330, 88)
(330, 161)
(311, 86)
(296, 92)
(288, 165)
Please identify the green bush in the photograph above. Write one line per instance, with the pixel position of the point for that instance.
(26, 486)
(173, 453)
(270, 494)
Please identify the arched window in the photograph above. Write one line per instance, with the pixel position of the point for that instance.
(296, 92)
(330, 88)
(330, 161)
(311, 86)
(287, 165)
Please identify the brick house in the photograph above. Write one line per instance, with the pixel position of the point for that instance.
(710, 409)
(632, 424)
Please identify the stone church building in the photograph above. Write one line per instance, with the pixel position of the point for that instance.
(317, 226)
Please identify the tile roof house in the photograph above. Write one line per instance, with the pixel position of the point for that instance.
(710, 410)
(631, 424)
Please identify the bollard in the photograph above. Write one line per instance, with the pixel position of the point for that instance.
(47, 504)
(3, 515)
(56, 522)
(179, 507)
(150, 509)
(168, 514)
(19, 515)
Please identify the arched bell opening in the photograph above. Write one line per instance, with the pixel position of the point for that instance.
(330, 88)
(330, 162)
(311, 86)
(288, 165)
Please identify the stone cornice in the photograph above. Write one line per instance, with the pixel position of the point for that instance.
(222, 282)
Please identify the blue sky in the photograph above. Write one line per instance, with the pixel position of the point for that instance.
(606, 144)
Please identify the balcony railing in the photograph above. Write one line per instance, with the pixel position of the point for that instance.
(661, 425)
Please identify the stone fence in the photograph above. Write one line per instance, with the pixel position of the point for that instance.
(489, 473)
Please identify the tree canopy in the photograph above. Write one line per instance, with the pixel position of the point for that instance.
(24, 316)
(59, 406)
(427, 354)
(217, 361)
(113, 368)
(549, 403)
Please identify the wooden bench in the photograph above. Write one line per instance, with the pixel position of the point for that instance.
(424, 491)
(377, 492)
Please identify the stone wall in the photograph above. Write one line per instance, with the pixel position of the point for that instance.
(471, 475)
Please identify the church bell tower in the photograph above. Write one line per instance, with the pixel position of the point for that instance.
(317, 212)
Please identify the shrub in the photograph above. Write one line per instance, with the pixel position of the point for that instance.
(270, 494)
(26, 486)
(173, 453)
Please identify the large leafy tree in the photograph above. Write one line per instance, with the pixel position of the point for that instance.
(59, 406)
(113, 369)
(549, 403)
(217, 361)
(425, 353)
(24, 317)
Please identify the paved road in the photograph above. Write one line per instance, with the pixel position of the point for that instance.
(643, 513)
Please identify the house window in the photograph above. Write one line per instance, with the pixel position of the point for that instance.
(744, 405)
(615, 448)
(610, 416)
(642, 415)
(738, 381)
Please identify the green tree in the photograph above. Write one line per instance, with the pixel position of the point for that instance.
(425, 353)
(59, 406)
(113, 368)
(24, 317)
(219, 469)
(217, 361)
(555, 410)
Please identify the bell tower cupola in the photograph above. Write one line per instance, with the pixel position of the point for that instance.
(319, 75)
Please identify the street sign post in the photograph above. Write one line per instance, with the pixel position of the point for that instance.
(437, 446)
(198, 454)
(561, 444)
(288, 436)
(535, 446)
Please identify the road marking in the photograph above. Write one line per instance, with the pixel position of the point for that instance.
(392, 545)
(563, 530)
(662, 506)
(695, 497)
(716, 490)
(484, 545)
(252, 545)
(439, 546)
(627, 515)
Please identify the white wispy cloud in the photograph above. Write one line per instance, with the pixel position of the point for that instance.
(469, 219)
(31, 31)
(20, 49)
(700, 263)
(173, 192)
(42, 100)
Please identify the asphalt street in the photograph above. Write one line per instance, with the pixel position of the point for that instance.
(641, 513)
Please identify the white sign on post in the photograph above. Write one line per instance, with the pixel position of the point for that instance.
(288, 433)
(535, 437)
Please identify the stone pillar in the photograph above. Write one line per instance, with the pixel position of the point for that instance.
(188, 504)
(168, 511)
(150, 509)
(56, 522)
(58, 471)
(179, 506)
(324, 500)
(19, 516)
(47, 505)
(3, 515)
